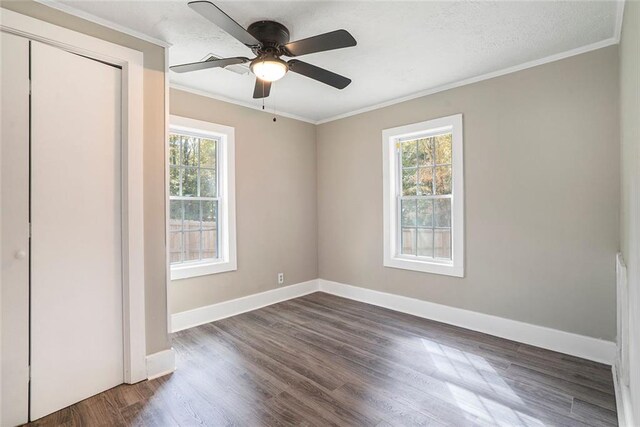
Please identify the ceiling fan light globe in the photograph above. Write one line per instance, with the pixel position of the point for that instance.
(269, 70)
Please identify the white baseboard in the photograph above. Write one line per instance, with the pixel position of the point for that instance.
(210, 313)
(161, 363)
(539, 336)
(623, 400)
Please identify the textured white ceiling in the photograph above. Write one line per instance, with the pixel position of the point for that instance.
(403, 47)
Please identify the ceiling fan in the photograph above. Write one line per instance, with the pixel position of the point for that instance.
(269, 40)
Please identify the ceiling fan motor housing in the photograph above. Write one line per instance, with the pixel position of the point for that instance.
(271, 34)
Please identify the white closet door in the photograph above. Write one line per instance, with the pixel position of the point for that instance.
(76, 271)
(15, 228)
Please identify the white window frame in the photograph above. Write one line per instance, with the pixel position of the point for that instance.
(391, 180)
(225, 164)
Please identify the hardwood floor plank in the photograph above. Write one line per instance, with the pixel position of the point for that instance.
(596, 397)
(123, 396)
(292, 411)
(306, 363)
(384, 408)
(589, 413)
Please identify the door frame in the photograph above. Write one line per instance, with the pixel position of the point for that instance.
(131, 63)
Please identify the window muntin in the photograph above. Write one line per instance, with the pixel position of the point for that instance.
(193, 197)
(424, 196)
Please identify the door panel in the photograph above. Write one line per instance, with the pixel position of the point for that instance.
(76, 271)
(14, 148)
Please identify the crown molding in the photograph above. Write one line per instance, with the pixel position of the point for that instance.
(459, 83)
(70, 10)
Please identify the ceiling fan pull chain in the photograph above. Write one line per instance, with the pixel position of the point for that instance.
(262, 81)
(274, 109)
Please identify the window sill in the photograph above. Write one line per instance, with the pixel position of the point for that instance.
(434, 267)
(187, 270)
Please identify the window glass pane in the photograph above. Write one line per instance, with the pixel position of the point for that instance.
(209, 244)
(443, 149)
(175, 214)
(425, 213)
(174, 149)
(443, 180)
(210, 229)
(207, 183)
(409, 154)
(191, 215)
(191, 245)
(408, 208)
(409, 182)
(425, 151)
(408, 243)
(193, 173)
(190, 182)
(425, 242)
(189, 150)
(425, 181)
(443, 243)
(175, 246)
(443, 212)
(207, 153)
(210, 214)
(174, 181)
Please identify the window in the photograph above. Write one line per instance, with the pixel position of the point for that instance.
(201, 198)
(423, 197)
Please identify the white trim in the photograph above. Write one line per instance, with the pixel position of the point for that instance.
(624, 405)
(617, 31)
(70, 10)
(187, 270)
(240, 103)
(161, 363)
(167, 211)
(211, 313)
(227, 188)
(131, 62)
(539, 336)
(390, 139)
(623, 323)
(476, 79)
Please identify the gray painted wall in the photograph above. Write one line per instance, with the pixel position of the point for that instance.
(542, 182)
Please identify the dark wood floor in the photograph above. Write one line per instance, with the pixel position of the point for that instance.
(322, 360)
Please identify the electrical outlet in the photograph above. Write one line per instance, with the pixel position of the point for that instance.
(280, 278)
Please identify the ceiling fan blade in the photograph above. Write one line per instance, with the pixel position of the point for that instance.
(261, 89)
(327, 41)
(224, 21)
(210, 63)
(319, 74)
